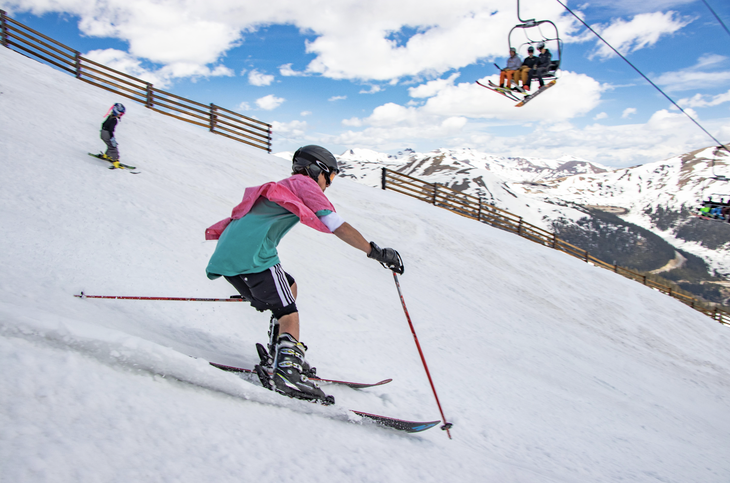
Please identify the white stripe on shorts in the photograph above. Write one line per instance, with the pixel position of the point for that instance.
(282, 285)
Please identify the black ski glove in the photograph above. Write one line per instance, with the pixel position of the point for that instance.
(387, 257)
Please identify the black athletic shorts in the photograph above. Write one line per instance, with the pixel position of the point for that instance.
(267, 290)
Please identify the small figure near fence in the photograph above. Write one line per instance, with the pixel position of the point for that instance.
(114, 116)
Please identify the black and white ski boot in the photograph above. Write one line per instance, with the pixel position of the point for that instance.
(289, 377)
(268, 353)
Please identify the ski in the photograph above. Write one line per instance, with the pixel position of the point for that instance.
(399, 424)
(354, 385)
(500, 90)
(535, 94)
(122, 166)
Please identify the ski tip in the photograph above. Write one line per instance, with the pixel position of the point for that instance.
(398, 424)
(230, 368)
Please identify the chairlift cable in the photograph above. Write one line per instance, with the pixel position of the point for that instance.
(645, 77)
(716, 16)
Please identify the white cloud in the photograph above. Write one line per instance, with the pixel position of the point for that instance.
(256, 78)
(382, 40)
(269, 102)
(163, 77)
(699, 100)
(293, 129)
(305, 113)
(644, 30)
(354, 122)
(628, 112)
(455, 112)
(286, 71)
(337, 98)
(599, 116)
(373, 89)
(697, 75)
(244, 106)
(431, 88)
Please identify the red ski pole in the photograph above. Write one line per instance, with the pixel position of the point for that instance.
(446, 426)
(234, 298)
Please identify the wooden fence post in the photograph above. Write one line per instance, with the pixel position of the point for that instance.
(480, 209)
(382, 178)
(519, 227)
(435, 191)
(3, 28)
(149, 99)
(213, 116)
(77, 59)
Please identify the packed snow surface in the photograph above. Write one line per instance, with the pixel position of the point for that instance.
(551, 370)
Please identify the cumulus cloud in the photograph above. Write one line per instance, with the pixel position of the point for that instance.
(337, 98)
(373, 89)
(599, 116)
(269, 102)
(644, 30)
(256, 78)
(628, 112)
(699, 100)
(380, 40)
(696, 76)
(163, 77)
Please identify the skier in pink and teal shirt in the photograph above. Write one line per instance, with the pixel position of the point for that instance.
(247, 257)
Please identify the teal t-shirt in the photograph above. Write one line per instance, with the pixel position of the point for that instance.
(248, 244)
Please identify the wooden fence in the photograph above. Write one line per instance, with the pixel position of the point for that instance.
(473, 207)
(216, 119)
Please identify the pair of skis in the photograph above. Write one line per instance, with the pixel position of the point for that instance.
(386, 421)
(121, 166)
(510, 94)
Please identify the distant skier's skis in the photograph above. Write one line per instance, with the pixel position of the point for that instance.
(121, 166)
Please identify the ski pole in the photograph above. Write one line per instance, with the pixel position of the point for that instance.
(446, 426)
(233, 298)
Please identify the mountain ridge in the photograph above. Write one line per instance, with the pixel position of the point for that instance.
(588, 204)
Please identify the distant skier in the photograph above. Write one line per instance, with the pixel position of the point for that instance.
(247, 257)
(114, 115)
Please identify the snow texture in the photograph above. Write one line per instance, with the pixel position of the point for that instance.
(551, 370)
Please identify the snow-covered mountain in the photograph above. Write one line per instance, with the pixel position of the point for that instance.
(646, 211)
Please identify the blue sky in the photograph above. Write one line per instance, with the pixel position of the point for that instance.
(393, 74)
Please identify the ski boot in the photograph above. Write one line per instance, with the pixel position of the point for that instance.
(289, 377)
(268, 353)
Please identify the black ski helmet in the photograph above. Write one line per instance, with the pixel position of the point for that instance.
(313, 160)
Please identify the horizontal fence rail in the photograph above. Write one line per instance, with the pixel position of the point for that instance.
(216, 119)
(473, 207)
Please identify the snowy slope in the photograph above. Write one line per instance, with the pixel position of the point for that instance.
(551, 370)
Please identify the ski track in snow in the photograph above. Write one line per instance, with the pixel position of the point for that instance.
(551, 370)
